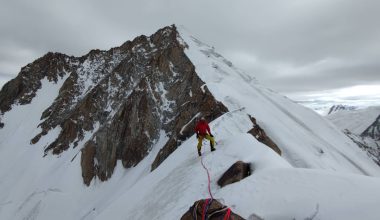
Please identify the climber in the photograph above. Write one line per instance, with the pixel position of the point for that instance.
(203, 131)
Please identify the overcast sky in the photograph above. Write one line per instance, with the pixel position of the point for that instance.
(292, 46)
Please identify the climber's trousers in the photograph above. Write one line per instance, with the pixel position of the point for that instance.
(208, 137)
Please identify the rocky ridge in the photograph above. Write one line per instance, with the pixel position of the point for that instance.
(373, 131)
(369, 140)
(336, 108)
(125, 97)
(367, 144)
(362, 126)
(116, 105)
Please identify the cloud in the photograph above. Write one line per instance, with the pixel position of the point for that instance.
(325, 75)
(289, 45)
(359, 96)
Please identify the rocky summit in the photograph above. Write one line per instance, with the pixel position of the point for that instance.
(125, 96)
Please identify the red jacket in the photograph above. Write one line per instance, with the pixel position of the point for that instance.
(202, 128)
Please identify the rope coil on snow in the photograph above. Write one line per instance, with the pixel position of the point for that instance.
(227, 216)
(208, 202)
(218, 211)
(206, 205)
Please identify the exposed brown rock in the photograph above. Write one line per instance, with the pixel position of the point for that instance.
(87, 162)
(216, 211)
(261, 136)
(129, 136)
(125, 98)
(235, 173)
(206, 105)
(72, 111)
(22, 89)
(36, 139)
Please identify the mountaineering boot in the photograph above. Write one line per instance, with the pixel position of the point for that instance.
(199, 153)
(212, 146)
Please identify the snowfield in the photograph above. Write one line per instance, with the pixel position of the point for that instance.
(322, 174)
(301, 134)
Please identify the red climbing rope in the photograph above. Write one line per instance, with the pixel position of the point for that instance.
(208, 201)
(227, 216)
(204, 213)
(209, 179)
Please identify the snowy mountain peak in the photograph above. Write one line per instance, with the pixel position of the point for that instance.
(116, 104)
(127, 116)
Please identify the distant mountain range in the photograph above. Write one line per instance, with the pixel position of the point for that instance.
(323, 107)
(336, 108)
(361, 125)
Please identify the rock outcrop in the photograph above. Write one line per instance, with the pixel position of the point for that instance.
(261, 136)
(22, 89)
(116, 104)
(336, 108)
(367, 144)
(235, 173)
(215, 211)
(373, 130)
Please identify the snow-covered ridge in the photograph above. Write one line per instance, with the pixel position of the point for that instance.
(295, 193)
(320, 175)
(362, 127)
(302, 134)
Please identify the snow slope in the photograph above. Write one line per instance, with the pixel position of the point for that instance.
(274, 191)
(300, 133)
(51, 187)
(355, 121)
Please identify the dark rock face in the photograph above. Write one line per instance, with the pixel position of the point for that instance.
(261, 136)
(87, 161)
(336, 108)
(369, 140)
(22, 89)
(207, 106)
(116, 104)
(367, 144)
(373, 130)
(167, 98)
(235, 173)
(216, 211)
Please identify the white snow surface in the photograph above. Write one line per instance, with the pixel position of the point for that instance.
(356, 121)
(300, 133)
(340, 183)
